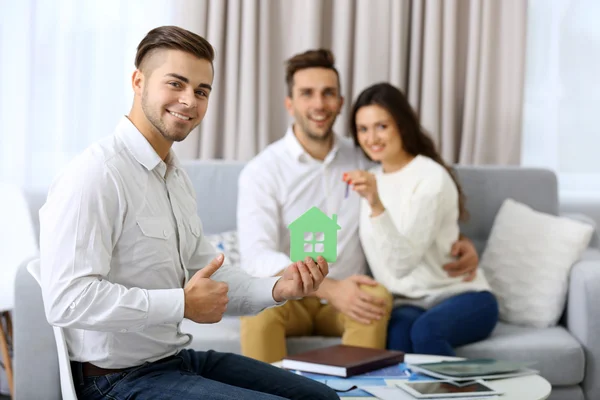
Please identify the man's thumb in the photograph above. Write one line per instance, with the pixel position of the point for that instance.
(212, 267)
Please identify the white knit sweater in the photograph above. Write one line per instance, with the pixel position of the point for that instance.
(408, 244)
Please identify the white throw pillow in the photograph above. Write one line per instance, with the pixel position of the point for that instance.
(226, 243)
(527, 262)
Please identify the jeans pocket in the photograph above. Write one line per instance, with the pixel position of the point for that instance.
(97, 387)
(89, 389)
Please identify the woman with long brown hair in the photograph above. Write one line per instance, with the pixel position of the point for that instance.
(410, 212)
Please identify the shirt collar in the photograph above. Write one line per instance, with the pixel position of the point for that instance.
(298, 152)
(140, 148)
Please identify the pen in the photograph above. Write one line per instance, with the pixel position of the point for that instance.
(347, 189)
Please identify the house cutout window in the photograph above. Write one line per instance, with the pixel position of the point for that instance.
(314, 242)
(314, 234)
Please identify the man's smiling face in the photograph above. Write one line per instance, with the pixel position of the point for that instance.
(315, 102)
(175, 92)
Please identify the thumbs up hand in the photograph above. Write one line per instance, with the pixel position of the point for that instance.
(205, 299)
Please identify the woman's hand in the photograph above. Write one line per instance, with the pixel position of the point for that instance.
(365, 184)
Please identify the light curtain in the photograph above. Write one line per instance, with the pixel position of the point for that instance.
(461, 62)
(67, 64)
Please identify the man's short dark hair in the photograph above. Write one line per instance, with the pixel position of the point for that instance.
(175, 38)
(321, 58)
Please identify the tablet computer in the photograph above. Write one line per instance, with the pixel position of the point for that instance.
(474, 368)
(447, 389)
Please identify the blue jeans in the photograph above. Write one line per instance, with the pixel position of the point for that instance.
(459, 320)
(201, 375)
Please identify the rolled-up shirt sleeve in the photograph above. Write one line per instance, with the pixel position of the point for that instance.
(79, 227)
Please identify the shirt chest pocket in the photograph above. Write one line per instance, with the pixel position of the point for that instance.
(193, 231)
(156, 243)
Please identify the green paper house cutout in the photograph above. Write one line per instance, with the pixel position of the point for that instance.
(314, 234)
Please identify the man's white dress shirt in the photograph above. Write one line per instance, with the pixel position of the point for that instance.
(281, 184)
(120, 235)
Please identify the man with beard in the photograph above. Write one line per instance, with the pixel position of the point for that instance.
(304, 169)
(123, 257)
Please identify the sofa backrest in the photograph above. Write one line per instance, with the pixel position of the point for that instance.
(216, 186)
(485, 187)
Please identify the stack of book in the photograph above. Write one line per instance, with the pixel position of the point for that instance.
(348, 368)
(341, 360)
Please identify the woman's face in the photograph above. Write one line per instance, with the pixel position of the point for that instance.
(378, 134)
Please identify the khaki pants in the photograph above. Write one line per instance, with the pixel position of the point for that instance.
(263, 336)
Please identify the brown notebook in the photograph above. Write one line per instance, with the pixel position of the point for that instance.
(343, 360)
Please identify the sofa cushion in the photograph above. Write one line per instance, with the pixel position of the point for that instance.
(559, 357)
(226, 243)
(527, 262)
(573, 392)
(225, 336)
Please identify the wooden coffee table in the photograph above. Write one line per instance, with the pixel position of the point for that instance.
(531, 387)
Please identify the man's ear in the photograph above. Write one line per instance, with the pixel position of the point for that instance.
(289, 106)
(341, 104)
(137, 82)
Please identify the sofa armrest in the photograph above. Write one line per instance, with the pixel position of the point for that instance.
(583, 311)
(595, 239)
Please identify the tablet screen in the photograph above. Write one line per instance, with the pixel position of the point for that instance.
(448, 387)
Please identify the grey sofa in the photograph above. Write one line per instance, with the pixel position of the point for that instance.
(568, 355)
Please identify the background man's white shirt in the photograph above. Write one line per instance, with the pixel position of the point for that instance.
(281, 184)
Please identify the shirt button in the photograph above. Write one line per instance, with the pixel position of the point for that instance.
(165, 233)
(72, 306)
(123, 330)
